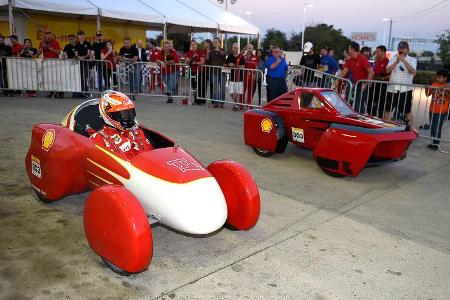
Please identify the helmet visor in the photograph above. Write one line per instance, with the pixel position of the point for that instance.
(126, 118)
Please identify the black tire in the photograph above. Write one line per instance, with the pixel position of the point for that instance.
(262, 152)
(41, 197)
(230, 227)
(333, 174)
(115, 268)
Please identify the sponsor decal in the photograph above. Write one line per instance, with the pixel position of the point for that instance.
(298, 135)
(125, 146)
(184, 165)
(48, 139)
(266, 125)
(36, 166)
(117, 139)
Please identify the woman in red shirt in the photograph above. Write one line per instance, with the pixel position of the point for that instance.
(251, 62)
(109, 55)
(194, 58)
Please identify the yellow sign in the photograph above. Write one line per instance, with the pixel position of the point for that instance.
(266, 125)
(63, 27)
(47, 139)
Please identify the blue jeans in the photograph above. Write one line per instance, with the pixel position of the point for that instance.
(275, 87)
(436, 122)
(218, 81)
(359, 100)
(171, 82)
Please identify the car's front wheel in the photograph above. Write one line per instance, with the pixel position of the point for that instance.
(262, 152)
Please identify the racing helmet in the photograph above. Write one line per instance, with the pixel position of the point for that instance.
(117, 110)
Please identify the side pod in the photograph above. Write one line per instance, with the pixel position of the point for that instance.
(264, 130)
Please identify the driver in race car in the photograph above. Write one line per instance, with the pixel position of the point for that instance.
(121, 133)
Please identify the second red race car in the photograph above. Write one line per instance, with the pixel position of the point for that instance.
(343, 142)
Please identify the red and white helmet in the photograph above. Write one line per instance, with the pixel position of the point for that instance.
(117, 110)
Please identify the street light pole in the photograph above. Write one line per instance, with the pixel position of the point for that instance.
(390, 35)
(305, 6)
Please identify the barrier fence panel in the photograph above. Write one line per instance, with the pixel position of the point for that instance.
(423, 107)
(77, 76)
(154, 79)
(243, 88)
(18, 74)
(301, 76)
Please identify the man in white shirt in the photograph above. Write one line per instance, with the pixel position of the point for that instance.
(402, 68)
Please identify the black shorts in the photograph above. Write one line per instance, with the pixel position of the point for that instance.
(401, 102)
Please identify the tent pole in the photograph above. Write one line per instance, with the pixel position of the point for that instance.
(98, 20)
(10, 17)
(165, 32)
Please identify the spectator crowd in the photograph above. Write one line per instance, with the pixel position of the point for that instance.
(386, 90)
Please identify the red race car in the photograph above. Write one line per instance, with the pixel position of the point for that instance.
(164, 185)
(343, 142)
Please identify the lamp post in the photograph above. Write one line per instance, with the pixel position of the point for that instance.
(305, 6)
(385, 20)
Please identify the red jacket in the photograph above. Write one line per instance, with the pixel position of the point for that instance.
(172, 58)
(125, 144)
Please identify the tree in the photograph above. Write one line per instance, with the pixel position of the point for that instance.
(321, 35)
(275, 37)
(444, 46)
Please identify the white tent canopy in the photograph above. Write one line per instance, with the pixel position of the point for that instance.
(227, 21)
(178, 15)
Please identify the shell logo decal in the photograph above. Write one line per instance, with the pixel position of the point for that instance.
(48, 139)
(266, 125)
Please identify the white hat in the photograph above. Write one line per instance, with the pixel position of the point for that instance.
(308, 46)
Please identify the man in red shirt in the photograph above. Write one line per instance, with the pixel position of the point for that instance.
(168, 60)
(377, 96)
(50, 48)
(15, 45)
(360, 69)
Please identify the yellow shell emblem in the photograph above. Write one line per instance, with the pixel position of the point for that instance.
(266, 125)
(47, 139)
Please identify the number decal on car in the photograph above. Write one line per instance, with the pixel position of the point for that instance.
(36, 167)
(298, 135)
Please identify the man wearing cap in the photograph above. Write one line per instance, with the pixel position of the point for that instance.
(50, 49)
(96, 53)
(400, 92)
(309, 60)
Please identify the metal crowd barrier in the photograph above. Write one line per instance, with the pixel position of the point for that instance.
(78, 76)
(301, 76)
(154, 79)
(55, 75)
(241, 87)
(418, 105)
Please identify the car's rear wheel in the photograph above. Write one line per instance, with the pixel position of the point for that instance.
(333, 174)
(262, 152)
(41, 197)
(115, 268)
